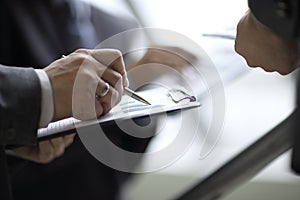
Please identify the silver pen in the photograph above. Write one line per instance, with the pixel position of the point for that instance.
(135, 96)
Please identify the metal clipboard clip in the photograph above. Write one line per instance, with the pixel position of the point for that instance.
(178, 95)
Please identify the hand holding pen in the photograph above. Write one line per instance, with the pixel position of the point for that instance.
(87, 83)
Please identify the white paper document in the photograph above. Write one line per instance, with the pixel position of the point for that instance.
(162, 100)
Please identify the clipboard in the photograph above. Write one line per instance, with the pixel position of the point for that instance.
(162, 99)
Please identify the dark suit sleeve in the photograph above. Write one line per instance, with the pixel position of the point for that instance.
(20, 105)
(281, 16)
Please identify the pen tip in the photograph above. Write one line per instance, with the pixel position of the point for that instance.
(146, 102)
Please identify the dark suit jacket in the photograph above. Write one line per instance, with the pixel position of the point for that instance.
(282, 17)
(20, 98)
(34, 33)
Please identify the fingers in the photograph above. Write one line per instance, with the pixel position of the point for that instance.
(54, 148)
(51, 149)
(77, 78)
(114, 74)
(68, 139)
(113, 78)
(108, 64)
(113, 59)
(104, 104)
(46, 151)
(103, 73)
(113, 95)
(58, 146)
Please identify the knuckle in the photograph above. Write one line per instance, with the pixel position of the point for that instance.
(116, 78)
(82, 51)
(116, 97)
(69, 138)
(106, 108)
(59, 151)
(117, 53)
(82, 58)
(99, 110)
(250, 63)
(46, 158)
(283, 72)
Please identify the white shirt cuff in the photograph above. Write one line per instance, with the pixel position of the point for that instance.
(47, 107)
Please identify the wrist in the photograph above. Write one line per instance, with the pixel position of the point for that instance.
(62, 97)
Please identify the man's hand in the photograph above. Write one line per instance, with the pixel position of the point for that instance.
(45, 151)
(77, 78)
(263, 48)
